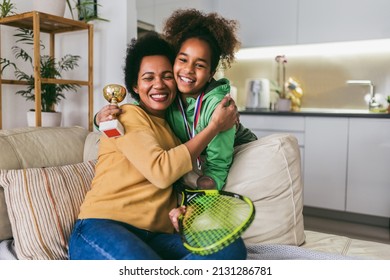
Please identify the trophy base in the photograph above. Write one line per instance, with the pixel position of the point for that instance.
(112, 128)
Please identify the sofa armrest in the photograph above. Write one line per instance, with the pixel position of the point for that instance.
(91, 146)
(30, 147)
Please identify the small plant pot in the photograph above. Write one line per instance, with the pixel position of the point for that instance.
(283, 105)
(51, 119)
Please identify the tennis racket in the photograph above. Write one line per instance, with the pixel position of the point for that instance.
(213, 219)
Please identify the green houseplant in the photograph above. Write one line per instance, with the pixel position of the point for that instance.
(7, 8)
(50, 68)
(86, 10)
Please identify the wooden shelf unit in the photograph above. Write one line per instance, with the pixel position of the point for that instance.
(46, 23)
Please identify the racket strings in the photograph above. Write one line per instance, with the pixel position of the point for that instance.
(211, 219)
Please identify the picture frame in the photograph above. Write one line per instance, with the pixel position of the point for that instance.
(87, 9)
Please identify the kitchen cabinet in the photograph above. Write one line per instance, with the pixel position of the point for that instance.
(348, 20)
(267, 125)
(263, 22)
(326, 151)
(282, 22)
(368, 184)
(156, 12)
(345, 160)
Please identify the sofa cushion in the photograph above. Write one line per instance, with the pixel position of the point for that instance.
(91, 146)
(336, 244)
(269, 172)
(43, 204)
(41, 146)
(37, 147)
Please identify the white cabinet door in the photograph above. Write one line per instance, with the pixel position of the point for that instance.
(368, 187)
(156, 12)
(325, 162)
(262, 22)
(265, 125)
(346, 20)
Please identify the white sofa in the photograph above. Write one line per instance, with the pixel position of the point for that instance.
(45, 173)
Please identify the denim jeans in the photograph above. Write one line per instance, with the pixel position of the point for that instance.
(102, 239)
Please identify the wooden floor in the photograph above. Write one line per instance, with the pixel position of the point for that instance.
(352, 229)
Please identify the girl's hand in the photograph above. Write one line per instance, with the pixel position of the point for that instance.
(174, 215)
(107, 113)
(225, 115)
(206, 183)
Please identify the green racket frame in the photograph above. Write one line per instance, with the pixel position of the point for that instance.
(189, 195)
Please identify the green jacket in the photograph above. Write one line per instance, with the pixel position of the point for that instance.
(219, 153)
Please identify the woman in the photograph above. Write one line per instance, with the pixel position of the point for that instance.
(125, 215)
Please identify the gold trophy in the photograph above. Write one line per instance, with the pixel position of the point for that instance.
(114, 94)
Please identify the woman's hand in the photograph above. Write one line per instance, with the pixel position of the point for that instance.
(107, 113)
(225, 115)
(174, 215)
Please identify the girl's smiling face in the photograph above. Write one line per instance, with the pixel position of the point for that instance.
(192, 67)
(156, 85)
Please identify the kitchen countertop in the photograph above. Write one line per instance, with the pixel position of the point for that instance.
(317, 112)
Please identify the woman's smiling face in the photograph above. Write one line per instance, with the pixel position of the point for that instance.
(156, 85)
(192, 67)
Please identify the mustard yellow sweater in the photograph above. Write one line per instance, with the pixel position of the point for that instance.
(135, 173)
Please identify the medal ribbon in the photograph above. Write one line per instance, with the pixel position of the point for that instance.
(191, 133)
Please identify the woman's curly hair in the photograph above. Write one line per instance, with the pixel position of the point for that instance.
(149, 44)
(217, 31)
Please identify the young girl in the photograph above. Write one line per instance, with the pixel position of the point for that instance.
(203, 41)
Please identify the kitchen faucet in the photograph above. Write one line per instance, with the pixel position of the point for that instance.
(372, 104)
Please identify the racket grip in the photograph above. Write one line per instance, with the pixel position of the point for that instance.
(206, 183)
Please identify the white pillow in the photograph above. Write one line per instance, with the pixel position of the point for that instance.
(43, 204)
(268, 171)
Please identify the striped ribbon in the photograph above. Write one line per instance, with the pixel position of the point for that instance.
(191, 133)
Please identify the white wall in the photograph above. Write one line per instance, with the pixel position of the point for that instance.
(157, 11)
(110, 40)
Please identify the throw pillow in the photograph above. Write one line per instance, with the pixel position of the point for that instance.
(43, 204)
(268, 171)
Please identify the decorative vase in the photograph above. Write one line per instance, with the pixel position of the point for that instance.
(48, 119)
(283, 104)
(53, 7)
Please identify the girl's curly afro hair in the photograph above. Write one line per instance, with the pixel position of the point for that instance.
(148, 45)
(217, 31)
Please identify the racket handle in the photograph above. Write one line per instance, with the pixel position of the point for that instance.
(206, 183)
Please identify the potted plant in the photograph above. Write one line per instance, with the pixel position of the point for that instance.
(86, 10)
(6, 8)
(53, 7)
(51, 94)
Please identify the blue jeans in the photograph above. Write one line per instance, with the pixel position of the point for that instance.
(102, 239)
